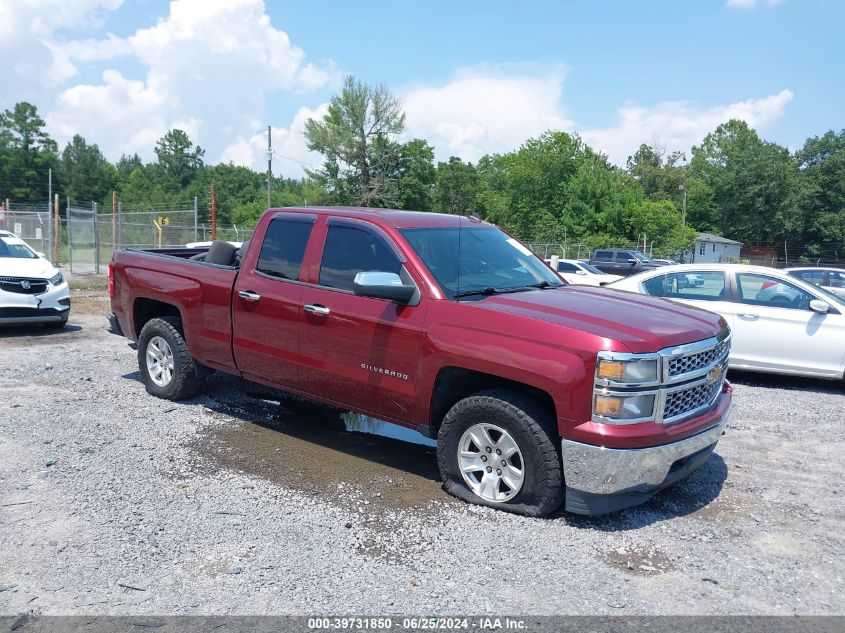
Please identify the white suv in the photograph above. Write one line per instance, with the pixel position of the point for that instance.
(32, 290)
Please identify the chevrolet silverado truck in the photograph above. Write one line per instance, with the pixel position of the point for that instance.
(537, 393)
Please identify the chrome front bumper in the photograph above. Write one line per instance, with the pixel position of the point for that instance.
(602, 479)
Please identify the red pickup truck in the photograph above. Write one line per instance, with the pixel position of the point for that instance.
(537, 393)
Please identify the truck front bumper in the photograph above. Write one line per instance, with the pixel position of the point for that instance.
(600, 480)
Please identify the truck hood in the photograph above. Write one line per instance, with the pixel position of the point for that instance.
(644, 324)
(19, 267)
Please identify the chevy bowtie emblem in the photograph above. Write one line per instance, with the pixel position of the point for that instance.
(714, 374)
(26, 285)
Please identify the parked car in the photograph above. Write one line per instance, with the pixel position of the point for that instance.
(831, 279)
(622, 262)
(535, 391)
(32, 290)
(780, 324)
(691, 280)
(574, 271)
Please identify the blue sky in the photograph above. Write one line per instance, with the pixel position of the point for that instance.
(474, 76)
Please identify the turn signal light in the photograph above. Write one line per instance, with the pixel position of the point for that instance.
(611, 370)
(608, 406)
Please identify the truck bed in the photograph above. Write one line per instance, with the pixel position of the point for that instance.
(202, 290)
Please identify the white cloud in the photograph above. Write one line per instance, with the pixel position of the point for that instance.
(486, 109)
(290, 155)
(677, 125)
(30, 47)
(208, 64)
(750, 4)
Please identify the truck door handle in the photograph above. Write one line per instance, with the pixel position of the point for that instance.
(317, 309)
(248, 295)
(748, 317)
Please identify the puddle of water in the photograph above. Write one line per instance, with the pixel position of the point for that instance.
(311, 450)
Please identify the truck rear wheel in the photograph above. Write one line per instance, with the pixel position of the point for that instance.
(166, 366)
(498, 448)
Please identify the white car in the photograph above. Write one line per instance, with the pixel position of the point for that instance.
(32, 290)
(779, 324)
(574, 271)
(831, 279)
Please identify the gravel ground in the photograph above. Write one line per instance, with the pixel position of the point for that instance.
(242, 501)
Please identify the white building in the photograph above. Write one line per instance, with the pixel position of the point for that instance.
(714, 249)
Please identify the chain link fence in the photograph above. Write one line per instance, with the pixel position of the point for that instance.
(34, 224)
(546, 250)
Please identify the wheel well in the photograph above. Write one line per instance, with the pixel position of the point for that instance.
(146, 309)
(455, 383)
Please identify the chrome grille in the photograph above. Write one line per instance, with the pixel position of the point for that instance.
(681, 402)
(16, 284)
(699, 360)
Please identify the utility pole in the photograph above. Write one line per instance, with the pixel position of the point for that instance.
(49, 185)
(269, 165)
(683, 188)
(213, 212)
(56, 229)
(114, 220)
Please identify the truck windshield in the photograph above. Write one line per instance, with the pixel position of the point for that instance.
(478, 260)
(642, 257)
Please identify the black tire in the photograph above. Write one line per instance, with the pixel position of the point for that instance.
(185, 382)
(532, 429)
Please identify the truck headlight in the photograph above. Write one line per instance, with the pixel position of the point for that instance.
(624, 407)
(627, 371)
(57, 279)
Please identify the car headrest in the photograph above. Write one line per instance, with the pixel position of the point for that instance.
(221, 252)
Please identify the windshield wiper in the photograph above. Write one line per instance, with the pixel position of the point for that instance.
(543, 285)
(489, 290)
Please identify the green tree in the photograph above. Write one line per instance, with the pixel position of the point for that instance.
(357, 138)
(820, 196)
(660, 176)
(457, 187)
(26, 154)
(86, 174)
(126, 165)
(178, 159)
(659, 223)
(416, 175)
(752, 183)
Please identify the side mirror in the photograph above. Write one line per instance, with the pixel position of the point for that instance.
(41, 255)
(632, 261)
(580, 272)
(817, 305)
(379, 285)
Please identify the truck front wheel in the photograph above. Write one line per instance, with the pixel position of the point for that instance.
(498, 448)
(167, 369)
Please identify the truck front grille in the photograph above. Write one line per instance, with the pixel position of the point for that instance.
(698, 360)
(23, 285)
(682, 402)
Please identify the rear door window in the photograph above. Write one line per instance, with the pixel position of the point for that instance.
(605, 256)
(349, 251)
(762, 290)
(565, 267)
(283, 248)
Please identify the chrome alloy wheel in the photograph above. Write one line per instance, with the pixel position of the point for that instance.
(159, 361)
(491, 462)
